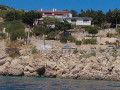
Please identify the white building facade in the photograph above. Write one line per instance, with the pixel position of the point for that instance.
(78, 21)
(66, 16)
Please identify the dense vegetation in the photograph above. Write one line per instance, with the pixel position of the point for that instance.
(90, 41)
(17, 20)
(91, 30)
(100, 18)
(2, 7)
(16, 29)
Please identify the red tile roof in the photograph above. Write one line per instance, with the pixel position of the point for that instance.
(53, 15)
(52, 11)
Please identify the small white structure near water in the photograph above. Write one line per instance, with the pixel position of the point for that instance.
(43, 47)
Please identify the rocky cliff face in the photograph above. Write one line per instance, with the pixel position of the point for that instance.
(62, 64)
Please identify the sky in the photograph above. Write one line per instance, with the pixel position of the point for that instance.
(77, 5)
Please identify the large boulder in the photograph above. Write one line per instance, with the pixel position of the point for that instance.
(15, 68)
(15, 72)
(2, 62)
(29, 74)
(50, 70)
(30, 69)
(2, 70)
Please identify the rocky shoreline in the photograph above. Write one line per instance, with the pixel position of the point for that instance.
(62, 64)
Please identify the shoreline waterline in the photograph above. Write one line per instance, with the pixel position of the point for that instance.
(17, 82)
(59, 78)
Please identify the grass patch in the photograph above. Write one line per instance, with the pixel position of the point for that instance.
(93, 54)
(81, 52)
(85, 56)
(34, 51)
(78, 42)
(114, 51)
(75, 51)
(102, 50)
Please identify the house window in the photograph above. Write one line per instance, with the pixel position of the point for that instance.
(64, 20)
(85, 20)
(73, 20)
(48, 13)
(59, 14)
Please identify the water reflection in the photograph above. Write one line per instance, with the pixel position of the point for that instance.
(25, 83)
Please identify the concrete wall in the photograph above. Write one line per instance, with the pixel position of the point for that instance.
(110, 40)
(61, 19)
(68, 19)
(80, 22)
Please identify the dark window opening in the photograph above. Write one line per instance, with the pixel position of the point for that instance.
(48, 13)
(85, 20)
(73, 20)
(59, 14)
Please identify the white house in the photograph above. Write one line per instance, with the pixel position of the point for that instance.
(66, 16)
(56, 14)
(78, 21)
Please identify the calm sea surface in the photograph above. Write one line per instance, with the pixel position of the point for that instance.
(26, 83)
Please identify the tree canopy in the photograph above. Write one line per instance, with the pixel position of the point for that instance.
(3, 7)
(63, 26)
(12, 15)
(100, 18)
(16, 29)
(30, 17)
(40, 30)
(118, 30)
(91, 30)
(50, 21)
(74, 13)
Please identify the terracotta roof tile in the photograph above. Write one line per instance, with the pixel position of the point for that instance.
(53, 11)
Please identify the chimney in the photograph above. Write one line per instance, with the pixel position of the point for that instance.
(53, 9)
(41, 9)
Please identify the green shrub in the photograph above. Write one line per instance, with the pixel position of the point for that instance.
(16, 29)
(91, 30)
(3, 35)
(13, 49)
(82, 52)
(90, 41)
(34, 50)
(109, 34)
(63, 39)
(102, 50)
(71, 39)
(87, 28)
(52, 35)
(75, 51)
(114, 55)
(93, 53)
(78, 42)
(114, 51)
(13, 37)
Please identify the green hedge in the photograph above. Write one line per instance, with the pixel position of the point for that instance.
(63, 39)
(78, 42)
(71, 39)
(90, 41)
(3, 35)
(75, 51)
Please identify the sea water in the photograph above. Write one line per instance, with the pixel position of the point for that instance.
(37, 83)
